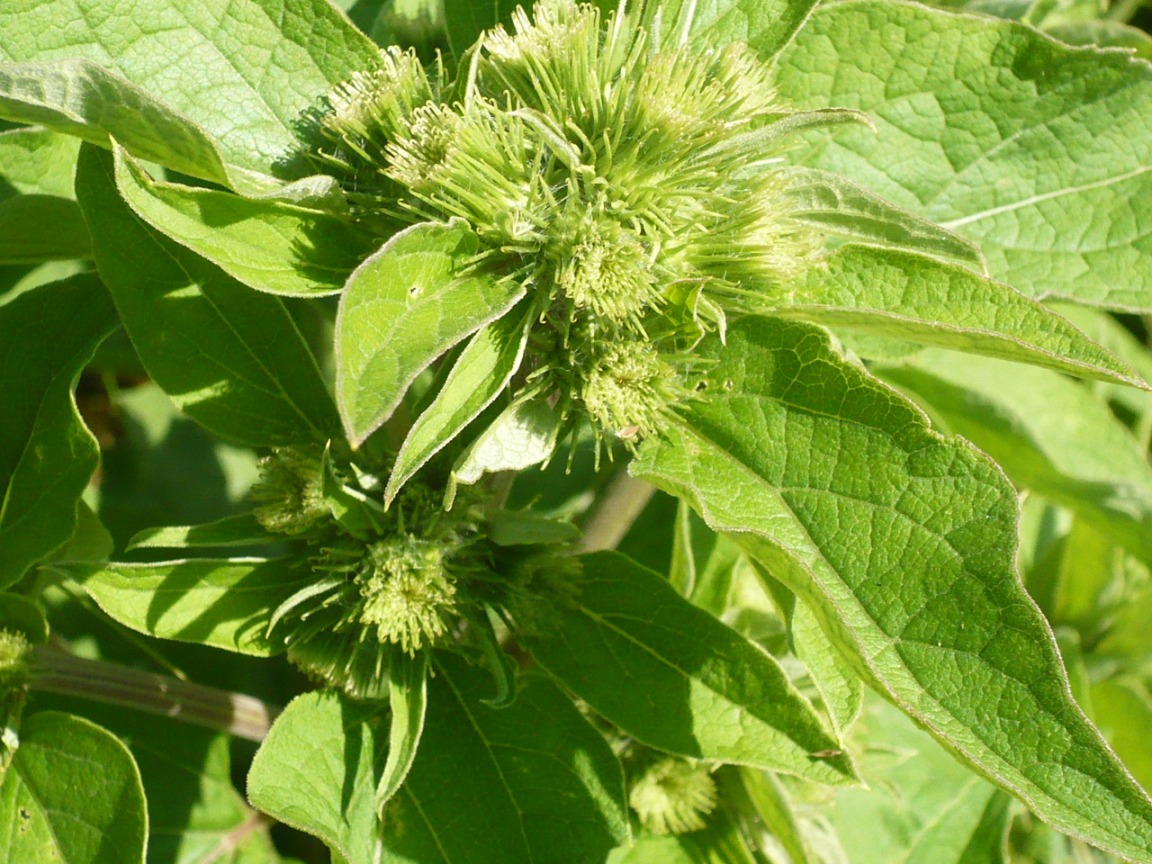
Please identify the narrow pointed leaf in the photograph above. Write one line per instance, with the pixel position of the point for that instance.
(916, 298)
(227, 603)
(267, 244)
(268, 61)
(835, 205)
(1022, 418)
(240, 530)
(482, 370)
(47, 455)
(902, 542)
(408, 700)
(552, 790)
(71, 794)
(1037, 151)
(404, 307)
(230, 357)
(675, 678)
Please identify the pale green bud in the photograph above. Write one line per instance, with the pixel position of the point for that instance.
(673, 796)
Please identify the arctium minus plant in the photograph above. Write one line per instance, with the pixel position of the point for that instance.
(538, 431)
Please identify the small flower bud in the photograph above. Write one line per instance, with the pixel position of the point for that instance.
(626, 389)
(405, 592)
(673, 796)
(15, 656)
(290, 493)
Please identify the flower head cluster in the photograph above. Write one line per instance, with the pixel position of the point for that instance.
(388, 582)
(673, 796)
(629, 184)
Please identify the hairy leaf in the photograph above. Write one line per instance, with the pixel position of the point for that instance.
(268, 61)
(1037, 151)
(915, 298)
(1048, 433)
(47, 455)
(908, 565)
(404, 307)
(551, 788)
(267, 244)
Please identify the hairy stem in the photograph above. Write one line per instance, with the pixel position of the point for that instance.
(56, 670)
(614, 512)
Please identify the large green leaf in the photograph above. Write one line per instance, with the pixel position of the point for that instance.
(1048, 433)
(674, 677)
(37, 162)
(1037, 151)
(530, 783)
(222, 602)
(902, 542)
(230, 357)
(246, 71)
(267, 244)
(404, 307)
(47, 456)
(919, 299)
(533, 782)
(71, 795)
(317, 771)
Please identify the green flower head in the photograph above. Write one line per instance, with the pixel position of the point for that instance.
(631, 185)
(673, 796)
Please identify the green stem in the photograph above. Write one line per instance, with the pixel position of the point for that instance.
(614, 512)
(58, 671)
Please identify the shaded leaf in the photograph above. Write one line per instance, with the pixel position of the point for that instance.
(226, 603)
(407, 701)
(47, 455)
(231, 358)
(675, 678)
(243, 529)
(522, 436)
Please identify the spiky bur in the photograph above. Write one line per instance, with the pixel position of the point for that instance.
(631, 186)
(15, 656)
(673, 796)
(386, 581)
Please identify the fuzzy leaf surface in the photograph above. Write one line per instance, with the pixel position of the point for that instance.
(675, 678)
(72, 794)
(919, 299)
(267, 244)
(551, 788)
(765, 26)
(481, 371)
(835, 205)
(1048, 433)
(404, 307)
(902, 542)
(231, 358)
(268, 61)
(226, 603)
(1037, 151)
(47, 455)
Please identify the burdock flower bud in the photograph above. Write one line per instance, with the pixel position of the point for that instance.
(15, 655)
(290, 492)
(607, 270)
(626, 388)
(405, 592)
(673, 796)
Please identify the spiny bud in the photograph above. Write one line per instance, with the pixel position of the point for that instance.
(290, 492)
(15, 654)
(626, 389)
(405, 592)
(673, 796)
(606, 269)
